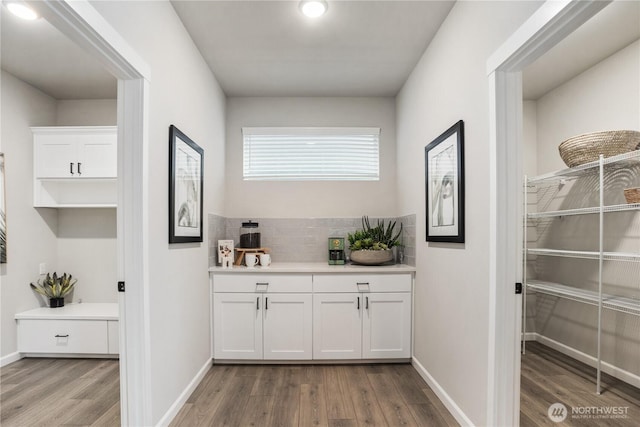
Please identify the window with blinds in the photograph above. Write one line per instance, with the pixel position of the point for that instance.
(311, 154)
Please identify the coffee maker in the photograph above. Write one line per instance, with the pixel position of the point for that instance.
(336, 250)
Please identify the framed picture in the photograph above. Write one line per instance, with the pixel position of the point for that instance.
(444, 182)
(3, 222)
(185, 188)
(225, 252)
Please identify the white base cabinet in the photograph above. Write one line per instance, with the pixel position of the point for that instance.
(75, 329)
(305, 317)
(262, 320)
(352, 322)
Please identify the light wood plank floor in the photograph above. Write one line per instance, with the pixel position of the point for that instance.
(60, 392)
(313, 395)
(65, 392)
(548, 376)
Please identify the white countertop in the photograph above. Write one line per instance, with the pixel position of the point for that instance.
(83, 311)
(315, 267)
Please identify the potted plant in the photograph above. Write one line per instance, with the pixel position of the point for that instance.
(372, 245)
(55, 288)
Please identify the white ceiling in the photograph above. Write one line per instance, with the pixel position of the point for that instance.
(42, 56)
(267, 48)
(615, 27)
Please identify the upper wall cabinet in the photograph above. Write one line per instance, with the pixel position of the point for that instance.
(75, 166)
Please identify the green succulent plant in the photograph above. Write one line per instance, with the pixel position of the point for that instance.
(54, 286)
(376, 238)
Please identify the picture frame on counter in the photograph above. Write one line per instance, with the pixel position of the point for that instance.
(444, 186)
(186, 167)
(225, 253)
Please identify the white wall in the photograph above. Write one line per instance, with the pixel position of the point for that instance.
(452, 282)
(31, 233)
(605, 97)
(310, 199)
(182, 92)
(86, 112)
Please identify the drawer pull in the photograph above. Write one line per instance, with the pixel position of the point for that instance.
(262, 283)
(62, 336)
(266, 303)
(258, 303)
(71, 168)
(367, 303)
(358, 303)
(362, 283)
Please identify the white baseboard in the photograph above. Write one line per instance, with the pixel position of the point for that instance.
(10, 358)
(182, 399)
(610, 369)
(448, 402)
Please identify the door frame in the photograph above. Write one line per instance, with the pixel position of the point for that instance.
(80, 21)
(550, 24)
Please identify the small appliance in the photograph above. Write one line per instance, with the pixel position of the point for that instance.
(336, 250)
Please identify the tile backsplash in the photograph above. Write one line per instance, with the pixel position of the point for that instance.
(303, 239)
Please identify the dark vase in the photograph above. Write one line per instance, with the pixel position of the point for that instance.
(56, 302)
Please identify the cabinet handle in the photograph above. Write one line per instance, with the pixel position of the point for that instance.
(362, 283)
(358, 303)
(262, 283)
(366, 303)
(62, 336)
(258, 303)
(79, 171)
(71, 168)
(266, 303)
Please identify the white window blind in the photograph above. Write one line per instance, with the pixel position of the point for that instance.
(299, 154)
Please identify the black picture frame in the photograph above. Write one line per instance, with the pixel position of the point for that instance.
(186, 167)
(444, 186)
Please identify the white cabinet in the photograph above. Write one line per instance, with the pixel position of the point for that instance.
(72, 329)
(362, 316)
(75, 166)
(259, 317)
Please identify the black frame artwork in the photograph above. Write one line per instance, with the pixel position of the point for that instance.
(186, 166)
(444, 185)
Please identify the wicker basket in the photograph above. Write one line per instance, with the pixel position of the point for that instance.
(632, 195)
(588, 147)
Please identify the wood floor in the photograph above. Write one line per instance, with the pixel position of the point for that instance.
(548, 376)
(73, 392)
(313, 395)
(60, 392)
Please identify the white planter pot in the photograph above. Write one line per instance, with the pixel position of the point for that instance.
(371, 257)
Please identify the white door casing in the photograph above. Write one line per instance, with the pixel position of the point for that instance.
(550, 24)
(86, 27)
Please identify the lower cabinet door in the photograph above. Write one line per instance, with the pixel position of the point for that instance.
(337, 330)
(237, 326)
(386, 326)
(287, 327)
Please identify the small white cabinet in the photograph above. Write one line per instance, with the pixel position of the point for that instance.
(362, 316)
(262, 317)
(75, 166)
(70, 330)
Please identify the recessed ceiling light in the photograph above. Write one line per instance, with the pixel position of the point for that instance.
(313, 8)
(21, 10)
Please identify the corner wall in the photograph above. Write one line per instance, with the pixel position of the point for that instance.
(452, 282)
(31, 233)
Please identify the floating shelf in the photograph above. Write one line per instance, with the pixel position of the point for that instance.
(611, 302)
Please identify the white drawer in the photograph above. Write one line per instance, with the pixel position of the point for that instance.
(241, 282)
(361, 283)
(62, 336)
(113, 331)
